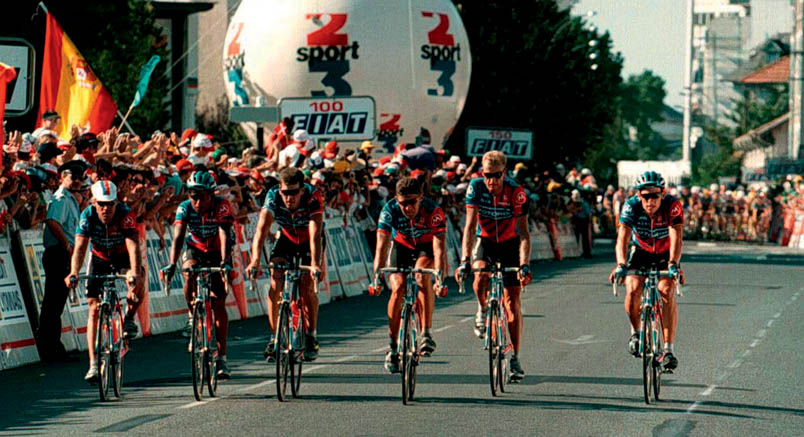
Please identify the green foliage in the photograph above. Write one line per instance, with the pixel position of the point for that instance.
(752, 111)
(117, 37)
(642, 104)
(531, 69)
(724, 162)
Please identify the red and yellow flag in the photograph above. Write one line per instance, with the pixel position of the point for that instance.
(7, 74)
(70, 87)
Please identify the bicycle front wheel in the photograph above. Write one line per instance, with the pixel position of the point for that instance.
(211, 353)
(494, 346)
(407, 354)
(647, 356)
(118, 354)
(282, 351)
(296, 361)
(103, 346)
(502, 361)
(658, 346)
(197, 358)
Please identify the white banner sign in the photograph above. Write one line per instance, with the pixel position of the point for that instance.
(516, 144)
(341, 118)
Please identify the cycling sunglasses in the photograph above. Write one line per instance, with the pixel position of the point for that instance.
(106, 204)
(291, 192)
(495, 175)
(196, 195)
(409, 202)
(650, 196)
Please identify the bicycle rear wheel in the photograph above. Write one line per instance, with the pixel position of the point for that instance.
(296, 361)
(647, 356)
(103, 344)
(117, 358)
(197, 358)
(407, 353)
(211, 353)
(494, 346)
(658, 355)
(282, 351)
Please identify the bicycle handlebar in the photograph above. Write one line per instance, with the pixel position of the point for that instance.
(114, 277)
(406, 270)
(662, 274)
(440, 288)
(488, 269)
(286, 267)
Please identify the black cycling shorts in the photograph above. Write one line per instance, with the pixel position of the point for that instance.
(287, 250)
(405, 257)
(207, 259)
(642, 260)
(119, 264)
(506, 252)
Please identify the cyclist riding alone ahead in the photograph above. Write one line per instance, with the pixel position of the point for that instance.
(298, 209)
(654, 222)
(497, 220)
(111, 228)
(209, 218)
(413, 229)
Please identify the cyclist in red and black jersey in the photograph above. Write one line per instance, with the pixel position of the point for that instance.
(413, 229)
(298, 209)
(654, 222)
(497, 218)
(209, 219)
(110, 227)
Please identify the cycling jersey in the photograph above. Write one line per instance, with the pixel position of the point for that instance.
(497, 214)
(428, 222)
(652, 235)
(294, 224)
(204, 227)
(108, 240)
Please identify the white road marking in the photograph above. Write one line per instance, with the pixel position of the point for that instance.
(770, 322)
(693, 406)
(722, 377)
(256, 386)
(736, 363)
(466, 319)
(379, 349)
(776, 316)
(755, 342)
(761, 333)
(197, 403)
(340, 360)
(443, 328)
(708, 390)
(747, 353)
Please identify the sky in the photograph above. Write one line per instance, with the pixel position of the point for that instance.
(650, 34)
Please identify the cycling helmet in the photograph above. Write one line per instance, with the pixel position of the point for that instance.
(104, 191)
(201, 181)
(649, 179)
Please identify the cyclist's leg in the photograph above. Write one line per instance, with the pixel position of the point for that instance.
(426, 296)
(309, 302)
(274, 294)
(219, 303)
(189, 281)
(633, 300)
(669, 309)
(480, 260)
(92, 323)
(397, 283)
(513, 310)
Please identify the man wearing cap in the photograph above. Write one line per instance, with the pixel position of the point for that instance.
(50, 121)
(48, 152)
(111, 227)
(63, 213)
(365, 150)
(202, 146)
(330, 153)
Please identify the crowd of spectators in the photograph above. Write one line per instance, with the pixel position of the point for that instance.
(150, 174)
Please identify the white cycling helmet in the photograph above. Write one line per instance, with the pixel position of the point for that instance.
(104, 191)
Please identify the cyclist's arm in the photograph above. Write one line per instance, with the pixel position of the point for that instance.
(263, 228)
(676, 236)
(440, 252)
(80, 250)
(524, 240)
(179, 230)
(469, 232)
(621, 247)
(383, 245)
(226, 243)
(134, 257)
(314, 228)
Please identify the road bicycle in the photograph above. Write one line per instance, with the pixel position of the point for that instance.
(407, 337)
(651, 334)
(203, 340)
(496, 330)
(111, 346)
(290, 339)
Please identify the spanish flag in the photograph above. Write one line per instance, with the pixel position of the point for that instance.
(7, 74)
(70, 88)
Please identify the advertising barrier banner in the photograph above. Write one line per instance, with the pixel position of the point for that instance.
(17, 344)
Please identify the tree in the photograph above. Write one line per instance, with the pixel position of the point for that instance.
(642, 104)
(531, 69)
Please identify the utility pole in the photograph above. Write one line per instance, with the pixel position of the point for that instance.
(688, 83)
(796, 75)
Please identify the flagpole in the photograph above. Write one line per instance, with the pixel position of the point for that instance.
(125, 122)
(44, 8)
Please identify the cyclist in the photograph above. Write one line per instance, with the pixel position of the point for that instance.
(297, 208)
(111, 228)
(413, 229)
(654, 222)
(209, 219)
(497, 228)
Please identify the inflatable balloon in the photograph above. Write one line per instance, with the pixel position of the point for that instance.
(412, 57)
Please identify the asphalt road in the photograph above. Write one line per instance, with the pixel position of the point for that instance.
(739, 347)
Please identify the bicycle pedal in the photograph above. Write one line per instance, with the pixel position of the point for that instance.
(668, 371)
(425, 354)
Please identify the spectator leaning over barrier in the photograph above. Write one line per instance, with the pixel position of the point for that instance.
(63, 214)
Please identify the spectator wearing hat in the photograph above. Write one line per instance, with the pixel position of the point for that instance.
(48, 152)
(199, 154)
(305, 144)
(63, 214)
(365, 150)
(330, 153)
(50, 122)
